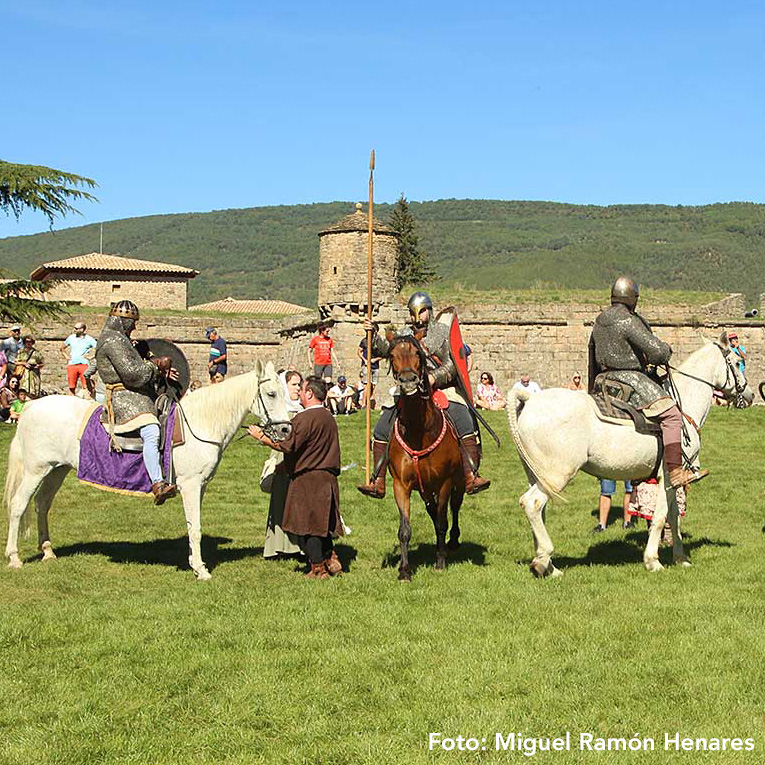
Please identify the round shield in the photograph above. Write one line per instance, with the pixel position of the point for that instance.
(762, 390)
(156, 347)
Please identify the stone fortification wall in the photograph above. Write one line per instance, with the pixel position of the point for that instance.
(343, 269)
(547, 341)
(99, 289)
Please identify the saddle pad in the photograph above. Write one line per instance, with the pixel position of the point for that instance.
(619, 417)
(122, 472)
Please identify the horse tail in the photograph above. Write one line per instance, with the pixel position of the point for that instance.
(515, 397)
(13, 475)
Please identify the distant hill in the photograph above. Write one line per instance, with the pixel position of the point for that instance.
(272, 252)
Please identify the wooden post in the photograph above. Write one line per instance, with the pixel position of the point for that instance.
(370, 236)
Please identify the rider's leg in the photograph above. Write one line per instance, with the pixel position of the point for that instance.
(376, 486)
(160, 489)
(671, 423)
(471, 450)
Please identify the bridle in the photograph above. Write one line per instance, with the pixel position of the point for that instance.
(735, 391)
(412, 376)
(269, 426)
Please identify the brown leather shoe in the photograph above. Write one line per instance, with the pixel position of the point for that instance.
(318, 571)
(333, 565)
(163, 491)
(679, 476)
(471, 458)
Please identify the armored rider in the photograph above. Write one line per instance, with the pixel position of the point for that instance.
(622, 346)
(442, 375)
(130, 384)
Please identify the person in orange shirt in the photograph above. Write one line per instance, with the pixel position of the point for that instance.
(321, 353)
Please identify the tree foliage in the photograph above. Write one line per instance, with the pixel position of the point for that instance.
(51, 192)
(413, 266)
(34, 187)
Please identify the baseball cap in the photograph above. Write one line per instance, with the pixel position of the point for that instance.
(732, 336)
(209, 332)
(341, 378)
(16, 328)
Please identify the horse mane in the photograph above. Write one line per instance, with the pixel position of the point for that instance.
(216, 409)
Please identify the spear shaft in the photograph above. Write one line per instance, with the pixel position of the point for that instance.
(370, 235)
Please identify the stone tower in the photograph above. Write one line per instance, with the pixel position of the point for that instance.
(343, 266)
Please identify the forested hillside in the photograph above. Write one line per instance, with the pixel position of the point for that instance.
(476, 244)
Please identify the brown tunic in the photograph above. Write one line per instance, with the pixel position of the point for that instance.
(312, 459)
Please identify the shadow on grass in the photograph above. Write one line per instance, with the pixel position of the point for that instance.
(162, 552)
(425, 555)
(629, 550)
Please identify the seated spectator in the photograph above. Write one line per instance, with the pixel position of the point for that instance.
(340, 397)
(3, 368)
(576, 382)
(527, 384)
(488, 394)
(8, 394)
(18, 405)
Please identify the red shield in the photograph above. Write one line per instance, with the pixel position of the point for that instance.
(458, 350)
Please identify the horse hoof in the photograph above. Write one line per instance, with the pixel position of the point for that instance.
(684, 562)
(203, 575)
(47, 551)
(541, 570)
(555, 573)
(653, 566)
(404, 576)
(440, 567)
(453, 544)
(15, 563)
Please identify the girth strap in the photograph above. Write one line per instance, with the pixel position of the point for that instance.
(110, 388)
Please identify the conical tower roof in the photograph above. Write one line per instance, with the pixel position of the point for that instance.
(357, 221)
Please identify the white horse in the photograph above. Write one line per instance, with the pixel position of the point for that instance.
(557, 434)
(46, 447)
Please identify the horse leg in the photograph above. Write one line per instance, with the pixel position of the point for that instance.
(439, 512)
(191, 493)
(533, 502)
(678, 550)
(43, 500)
(18, 506)
(651, 554)
(456, 499)
(403, 501)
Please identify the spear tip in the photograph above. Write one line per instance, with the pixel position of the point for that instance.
(372, 160)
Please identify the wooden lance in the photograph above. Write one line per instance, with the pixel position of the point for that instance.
(370, 235)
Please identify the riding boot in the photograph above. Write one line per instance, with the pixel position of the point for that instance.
(471, 459)
(333, 565)
(678, 475)
(376, 487)
(163, 491)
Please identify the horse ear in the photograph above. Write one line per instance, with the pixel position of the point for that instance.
(258, 367)
(704, 337)
(270, 369)
(723, 341)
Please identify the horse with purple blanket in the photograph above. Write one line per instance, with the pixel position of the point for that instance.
(47, 446)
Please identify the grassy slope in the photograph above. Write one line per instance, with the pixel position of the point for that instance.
(114, 655)
(475, 244)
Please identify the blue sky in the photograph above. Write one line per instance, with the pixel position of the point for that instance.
(177, 107)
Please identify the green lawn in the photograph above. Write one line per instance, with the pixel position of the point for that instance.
(114, 654)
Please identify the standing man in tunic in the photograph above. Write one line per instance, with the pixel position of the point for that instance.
(622, 347)
(312, 459)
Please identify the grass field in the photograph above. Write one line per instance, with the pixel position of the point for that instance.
(114, 654)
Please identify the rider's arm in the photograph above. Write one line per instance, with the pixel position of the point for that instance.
(640, 336)
(134, 372)
(445, 374)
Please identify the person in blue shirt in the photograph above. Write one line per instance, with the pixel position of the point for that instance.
(75, 349)
(739, 350)
(217, 365)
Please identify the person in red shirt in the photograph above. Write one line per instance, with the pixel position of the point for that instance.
(321, 353)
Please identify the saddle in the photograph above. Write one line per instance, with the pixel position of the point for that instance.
(611, 397)
(131, 442)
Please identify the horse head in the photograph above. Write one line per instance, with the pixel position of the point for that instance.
(407, 359)
(729, 379)
(269, 405)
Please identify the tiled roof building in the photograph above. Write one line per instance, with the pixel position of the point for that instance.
(97, 279)
(270, 307)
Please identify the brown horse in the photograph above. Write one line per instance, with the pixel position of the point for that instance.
(424, 454)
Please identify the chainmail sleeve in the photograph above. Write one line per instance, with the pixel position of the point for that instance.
(640, 337)
(134, 372)
(444, 375)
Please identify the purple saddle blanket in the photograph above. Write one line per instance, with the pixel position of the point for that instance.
(123, 472)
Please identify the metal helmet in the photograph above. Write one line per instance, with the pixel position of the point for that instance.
(125, 309)
(625, 290)
(417, 302)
